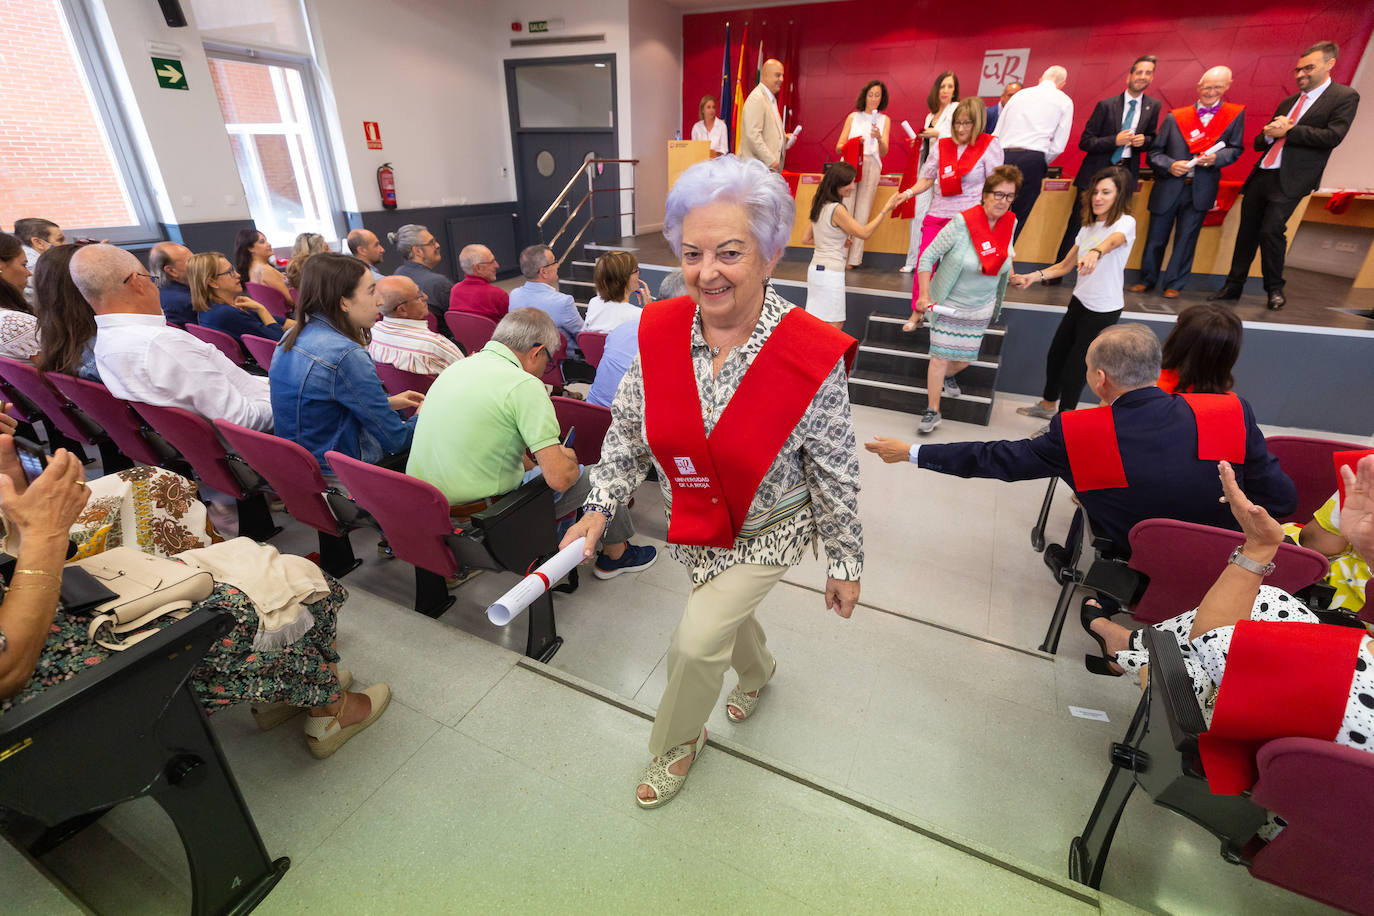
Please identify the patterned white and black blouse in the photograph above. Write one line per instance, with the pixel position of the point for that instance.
(810, 493)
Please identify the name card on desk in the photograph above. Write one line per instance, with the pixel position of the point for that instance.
(1056, 184)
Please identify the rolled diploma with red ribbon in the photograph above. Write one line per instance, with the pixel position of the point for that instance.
(512, 603)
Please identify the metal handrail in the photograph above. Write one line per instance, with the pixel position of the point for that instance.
(573, 180)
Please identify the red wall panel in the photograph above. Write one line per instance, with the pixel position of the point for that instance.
(840, 46)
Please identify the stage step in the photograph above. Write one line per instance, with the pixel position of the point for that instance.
(890, 372)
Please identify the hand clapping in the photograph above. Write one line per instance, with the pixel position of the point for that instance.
(1357, 513)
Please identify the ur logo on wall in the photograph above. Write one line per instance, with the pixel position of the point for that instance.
(1000, 67)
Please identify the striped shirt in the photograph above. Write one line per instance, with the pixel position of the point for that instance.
(411, 346)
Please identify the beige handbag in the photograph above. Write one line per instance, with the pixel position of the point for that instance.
(149, 587)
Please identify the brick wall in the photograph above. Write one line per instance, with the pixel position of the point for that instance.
(53, 160)
(246, 96)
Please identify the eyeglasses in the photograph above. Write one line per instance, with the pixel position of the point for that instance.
(1004, 195)
(432, 243)
(963, 123)
(225, 273)
(139, 273)
(1299, 71)
(550, 264)
(420, 298)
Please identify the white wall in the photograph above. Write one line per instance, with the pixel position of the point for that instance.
(1349, 165)
(430, 72)
(656, 100)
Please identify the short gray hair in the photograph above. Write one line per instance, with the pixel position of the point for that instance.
(471, 256)
(1129, 354)
(356, 239)
(728, 179)
(99, 271)
(1056, 73)
(524, 329)
(160, 256)
(674, 284)
(406, 238)
(532, 260)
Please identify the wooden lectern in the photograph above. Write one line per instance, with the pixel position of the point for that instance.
(683, 154)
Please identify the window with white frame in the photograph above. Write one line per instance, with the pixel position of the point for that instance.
(273, 137)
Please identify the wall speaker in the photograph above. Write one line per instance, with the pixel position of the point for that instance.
(171, 11)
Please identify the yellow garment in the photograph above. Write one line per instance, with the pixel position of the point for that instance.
(1349, 571)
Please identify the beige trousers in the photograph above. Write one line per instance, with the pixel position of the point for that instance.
(862, 207)
(717, 631)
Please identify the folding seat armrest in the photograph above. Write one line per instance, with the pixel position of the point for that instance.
(511, 503)
(1169, 676)
(519, 529)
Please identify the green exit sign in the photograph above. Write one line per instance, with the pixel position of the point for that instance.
(539, 25)
(170, 73)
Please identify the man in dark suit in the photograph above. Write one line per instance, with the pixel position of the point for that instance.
(1157, 439)
(1187, 167)
(995, 110)
(1119, 130)
(1296, 143)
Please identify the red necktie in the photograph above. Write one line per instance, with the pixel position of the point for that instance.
(1273, 154)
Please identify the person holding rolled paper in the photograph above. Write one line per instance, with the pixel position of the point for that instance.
(1192, 147)
(975, 256)
(739, 401)
(867, 124)
(957, 168)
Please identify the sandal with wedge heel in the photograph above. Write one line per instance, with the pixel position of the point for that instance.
(667, 785)
(741, 700)
(269, 715)
(326, 734)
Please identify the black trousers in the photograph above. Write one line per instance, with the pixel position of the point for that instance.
(1071, 229)
(1065, 370)
(1264, 214)
(1032, 165)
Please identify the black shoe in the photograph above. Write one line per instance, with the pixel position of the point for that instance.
(1226, 292)
(1096, 664)
(1058, 559)
(1276, 301)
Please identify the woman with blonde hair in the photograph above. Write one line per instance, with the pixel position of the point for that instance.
(217, 296)
(307, 243)
(617, 279)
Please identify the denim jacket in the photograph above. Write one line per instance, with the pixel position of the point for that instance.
(326, 395)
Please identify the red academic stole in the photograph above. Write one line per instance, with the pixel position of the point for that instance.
(1201, 138)
(953, 165)
(991, 245)
(854, 155)
(1347, 460)
(714, 479)
(1095, 455)
(1283, 680)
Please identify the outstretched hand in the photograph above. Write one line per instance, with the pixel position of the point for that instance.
(893, 451)
(1357, 512)
(1261, 530)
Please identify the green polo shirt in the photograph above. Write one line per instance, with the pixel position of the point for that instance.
(478, 418)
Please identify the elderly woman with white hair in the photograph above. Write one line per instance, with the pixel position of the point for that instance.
(739, 401)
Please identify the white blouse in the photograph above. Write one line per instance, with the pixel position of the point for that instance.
(720, 142)
(604, 317)
(18, 335)
(860, 125)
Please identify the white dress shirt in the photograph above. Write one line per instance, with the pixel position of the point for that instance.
(1129, 119)
(1039, 118)
(719, 140)
(142, 358)
(1311, 97)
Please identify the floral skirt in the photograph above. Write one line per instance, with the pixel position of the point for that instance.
(231, 671)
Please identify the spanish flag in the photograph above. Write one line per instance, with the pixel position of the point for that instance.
(738, 107)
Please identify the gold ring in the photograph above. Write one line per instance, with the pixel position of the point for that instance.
(81, 483)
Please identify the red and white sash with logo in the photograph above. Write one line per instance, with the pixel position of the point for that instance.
(1095, 455)
(1198, 136)
(713, 480)
(954, 165)
(992, 245)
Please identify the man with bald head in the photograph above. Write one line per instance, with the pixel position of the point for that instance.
(141, 358)
(167, 264)
(1193, 145)
(366, 248)
(1120, 129)
(1033, 130)
(478, 293)
(761, 130)
(402, 337)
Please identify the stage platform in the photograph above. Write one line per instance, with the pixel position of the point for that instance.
(1309, 364)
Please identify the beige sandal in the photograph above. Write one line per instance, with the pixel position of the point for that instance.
(666, 785)
(742, 701)
(269, 715)
(325, 735)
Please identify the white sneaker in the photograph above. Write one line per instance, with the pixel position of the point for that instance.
(905, 269)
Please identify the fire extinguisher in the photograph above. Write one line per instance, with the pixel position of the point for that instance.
(386, 183)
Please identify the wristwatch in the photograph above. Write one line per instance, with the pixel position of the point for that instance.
(1250, 565)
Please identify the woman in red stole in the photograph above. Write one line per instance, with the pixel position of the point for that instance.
(974, 253)
(956, 168)
(1201, 350)
(1256, 677)
(739, 401)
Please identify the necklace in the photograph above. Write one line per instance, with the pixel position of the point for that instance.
(715, 351)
